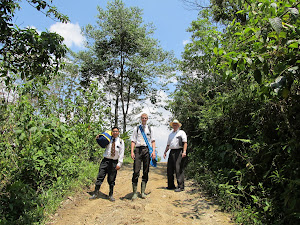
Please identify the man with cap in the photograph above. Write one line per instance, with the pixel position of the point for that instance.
(177, 143)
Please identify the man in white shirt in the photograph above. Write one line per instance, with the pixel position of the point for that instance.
(177, 142)
(140, 154)
(110, 164)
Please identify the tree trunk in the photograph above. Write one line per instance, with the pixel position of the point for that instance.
(116, 110)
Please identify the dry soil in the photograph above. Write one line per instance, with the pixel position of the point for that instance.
(161, 206)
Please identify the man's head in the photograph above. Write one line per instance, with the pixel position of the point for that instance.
(115, 132)
(144, 118)
(175, 125)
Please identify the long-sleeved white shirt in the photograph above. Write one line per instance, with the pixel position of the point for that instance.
(119, 151)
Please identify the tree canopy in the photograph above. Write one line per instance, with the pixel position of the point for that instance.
(25, 51)
(123, 57)
(238, 99)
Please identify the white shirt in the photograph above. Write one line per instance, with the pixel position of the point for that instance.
(138, 139)
(173, 140)
(119, 151)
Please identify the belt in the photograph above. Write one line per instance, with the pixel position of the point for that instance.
(142, 147)
(177, 149)
(110, 159)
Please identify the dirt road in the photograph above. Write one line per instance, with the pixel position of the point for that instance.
(161, 206)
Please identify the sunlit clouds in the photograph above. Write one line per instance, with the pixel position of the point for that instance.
(70, 32)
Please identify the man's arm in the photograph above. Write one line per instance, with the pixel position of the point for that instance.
(184, 149)
(121, 156)
(132, 150)
(166, 150)
(153, 155)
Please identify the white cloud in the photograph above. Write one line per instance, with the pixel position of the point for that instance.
(71, 33)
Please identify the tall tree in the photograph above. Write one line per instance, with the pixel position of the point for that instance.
(123, 56)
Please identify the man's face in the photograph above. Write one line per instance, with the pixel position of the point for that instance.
(175, 126)
(115, 133)
(144, 119)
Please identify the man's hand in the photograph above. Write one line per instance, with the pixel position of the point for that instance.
(133, 155)
(183, 154)
(165, 155)
(153, 155)
(118, 167)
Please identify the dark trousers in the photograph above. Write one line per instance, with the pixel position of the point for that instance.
(141, 156)
(175, 164)
(107, 166)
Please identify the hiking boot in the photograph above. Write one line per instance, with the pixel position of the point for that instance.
(111, 191)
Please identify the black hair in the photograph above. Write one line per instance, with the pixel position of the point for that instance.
(115, 128)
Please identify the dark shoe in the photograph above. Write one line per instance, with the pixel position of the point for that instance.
(179, 189)
(171, 188)
(95, 195)
(111, 198)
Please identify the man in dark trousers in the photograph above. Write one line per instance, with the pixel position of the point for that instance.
(140, 155)
(110, 164)
(177, 142)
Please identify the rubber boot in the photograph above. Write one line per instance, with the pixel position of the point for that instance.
(143, 188)
(111, 192)
(96, 193)
(134, 187)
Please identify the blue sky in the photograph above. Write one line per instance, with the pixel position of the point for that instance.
(169, 17)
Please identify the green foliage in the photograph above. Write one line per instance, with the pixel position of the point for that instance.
(24, 51)
(238, 100)
(48, 139)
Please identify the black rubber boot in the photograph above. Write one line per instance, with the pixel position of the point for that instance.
(96, 193)
(111, 192)
(134, 187)
(143, 188)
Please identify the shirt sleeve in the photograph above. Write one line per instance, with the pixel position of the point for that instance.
(169, 140)
(152, 134)
(134, 135)
(184, 137)
(121, 154)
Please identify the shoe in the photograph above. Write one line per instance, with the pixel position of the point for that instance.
(171, 188)
(95, 195)
(179, 189)
(111, 198)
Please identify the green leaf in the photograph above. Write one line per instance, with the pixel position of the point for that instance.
(294, 11)
(242, 140)
(276, 24)
(216, 51)
(293, 45)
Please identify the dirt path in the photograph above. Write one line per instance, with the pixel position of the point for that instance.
(161, 206)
